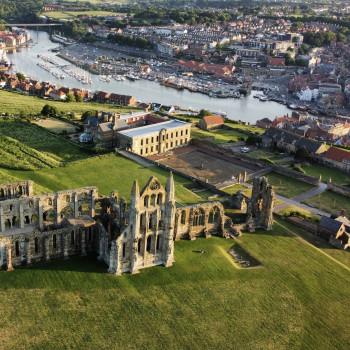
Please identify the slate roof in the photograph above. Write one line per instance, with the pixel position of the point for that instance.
(292, 138)
(330, 224)
(91, 121)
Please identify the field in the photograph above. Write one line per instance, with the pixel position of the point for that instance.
(330, 202)
(233, 189)
(56, 125)
(108, 172)
(203, 166)
(337, 176)
(73, 14)
(218, 136)
(32, 136)
(286, 186)
(297, 300)
(14, 102)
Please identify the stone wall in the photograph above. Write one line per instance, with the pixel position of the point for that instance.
(16, 190)
(345, 191)
(296, 175)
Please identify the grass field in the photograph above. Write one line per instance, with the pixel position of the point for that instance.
(55, 125)
(286, 186)
(219, 136)
(337, 176)
(34, 137)
(296, 300)
(108, 172)
(330, 202)
(73, 14)
(234, 188)
(14, 102)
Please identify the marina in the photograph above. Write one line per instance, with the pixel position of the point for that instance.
(146, 89)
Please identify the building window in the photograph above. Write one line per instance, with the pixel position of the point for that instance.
(139, 243)
(145, 201)
(124, 250)
(141, 142)
(54, 241)
(151, 149)
(158, 242)
(72, 238)
(157, 138)
(141, 152)
(152, 140)
(149, 243)
(183, 217)
(17, 248)
(36, 245)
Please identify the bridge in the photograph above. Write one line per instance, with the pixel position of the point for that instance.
(32, 24)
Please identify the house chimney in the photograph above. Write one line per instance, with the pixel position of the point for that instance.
(343, 213)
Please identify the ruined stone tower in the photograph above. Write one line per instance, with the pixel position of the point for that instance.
(148, 238)
(261, 205)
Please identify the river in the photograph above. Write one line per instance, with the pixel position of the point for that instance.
(248, 109)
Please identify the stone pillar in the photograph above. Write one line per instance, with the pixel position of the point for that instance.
(92, 204)
(57, 203)
(83, 232)
(47, 248)
(2, 220)
(21, 218)
(9, 257)
(65, 245)
(76, 206)
(40, 214)
(101, 248)
(245, 176)
(28, 252)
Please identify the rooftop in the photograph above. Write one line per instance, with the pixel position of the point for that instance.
(153, 129)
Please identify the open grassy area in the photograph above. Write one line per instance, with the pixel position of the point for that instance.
(286, 186)
(108, 172)
(292, 210)
(337, 176)
(330, 202)
(14, 102)
(55, 125)
(218, 136)
(296, 300)
(50, 145)
(73, 14)
(234, 188)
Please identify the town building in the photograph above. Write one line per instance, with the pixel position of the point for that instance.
(156, 138)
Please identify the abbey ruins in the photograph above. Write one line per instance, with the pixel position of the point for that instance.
(126, 237)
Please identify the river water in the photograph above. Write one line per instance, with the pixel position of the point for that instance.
(248, 109)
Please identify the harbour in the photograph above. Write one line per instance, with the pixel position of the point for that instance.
(26, 60)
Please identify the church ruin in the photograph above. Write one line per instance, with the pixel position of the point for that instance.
(126, 237)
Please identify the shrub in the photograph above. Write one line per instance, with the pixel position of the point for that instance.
(299, 169)
(267, 160)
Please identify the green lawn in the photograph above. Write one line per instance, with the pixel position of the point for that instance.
(108, 172)
(73, 14)
(14, 102)
(330, 202)
(234, 188)
(50, 145)
(218, 136)
(337, 176)
(296, 300)
(265, 154)
(286, 186)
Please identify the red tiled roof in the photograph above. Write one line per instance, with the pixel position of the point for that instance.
(337, 154)
(213, 119)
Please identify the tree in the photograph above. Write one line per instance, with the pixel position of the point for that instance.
(289, 59)
(301, 154)
(70, 98)
(87, 114)
(253, 140)
(49, 111)
(21, 76)
(204, 113)
(79, 98)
